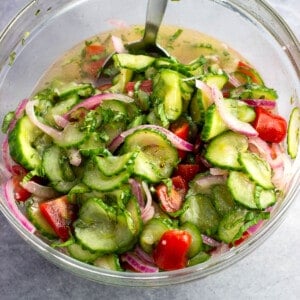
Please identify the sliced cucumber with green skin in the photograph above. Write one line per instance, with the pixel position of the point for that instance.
(242, 189)
(213, 123)
(235, 223)
(196, 245)
(38, 220)
(125, 232)
(264, 198)
(293, 133)
(247, 193)
(61, 108)
(133, 62)
(231, 226)
(21, 140)
(156, 158)
(109, 262)
(222, 199)
(198, 258)
(258, 169)
(76, 251)
(122, 78)
(199, 106)
(95, 179)
(57, 169)
(113, 165)
(83, 89)
(152, 232)
(218, 80)
(223, 151)
(253, 91)
(93, 145)
(199, 210)
(167, 90)
(133, 209)
(96, 226)
(71, 136)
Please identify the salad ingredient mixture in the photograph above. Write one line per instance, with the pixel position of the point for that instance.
(168, 163)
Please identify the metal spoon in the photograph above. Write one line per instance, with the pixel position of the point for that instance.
(148, 44)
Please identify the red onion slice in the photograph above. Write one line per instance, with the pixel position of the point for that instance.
(174, 139)
(143, 255)
(148, 210)
(138, 264)
(136, 189)
(95, 101)
(55, 134)
(8, 162)
(118, 44)
(206, 182)
(9, 196)
(210, 241)
(265, 103)
(230, 120)
(60, 121)
(41, 191)
(74, 157)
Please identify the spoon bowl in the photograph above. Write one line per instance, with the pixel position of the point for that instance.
(148, 45)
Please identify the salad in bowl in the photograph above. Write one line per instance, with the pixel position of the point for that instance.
(164, 164)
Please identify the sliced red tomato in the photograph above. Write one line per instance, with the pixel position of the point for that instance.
(182, 130)
(146, 86)
(249, 71)
(270, 127)
(187, 171)
(245, 235)
(59, 213)
(171, 199)
(93, 58)
(171, 251)
(20, 193)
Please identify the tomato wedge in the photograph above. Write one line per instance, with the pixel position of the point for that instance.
(182, 130)
(171, 200)
(20, 193)
(59, 213)
(145, 86)
(93, 58)
(249, 71)
(171, 251)
(187, 171)
(270, 127)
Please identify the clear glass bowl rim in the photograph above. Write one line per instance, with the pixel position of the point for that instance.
(214, 264)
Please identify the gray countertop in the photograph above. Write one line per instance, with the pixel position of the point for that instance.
(271, 272)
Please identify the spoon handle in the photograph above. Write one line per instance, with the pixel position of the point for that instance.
(155, 12)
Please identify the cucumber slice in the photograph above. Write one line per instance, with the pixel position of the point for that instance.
(199, 106)
(198, 258)
(223, 151)
(95, 179)
(21, 140)
(196, 245)
(76, 251)
(156, 158)
(293, 134)
(109, 262)
(122, 78)
(57, 169)
(71, 136)
(222, 199)
(242, 189)
(81, 89)
(218, 80)
(264, 198)
(133, 209)
(231, 226)
(213, 123)
(199, 210)
(113, 165)
(258, 169)
(38, 220)
(152, 232)
(96, 227)
(167, 90)
(253, 91)
(93, 145)
(133, 62)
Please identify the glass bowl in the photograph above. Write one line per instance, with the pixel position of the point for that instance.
(45, 29)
